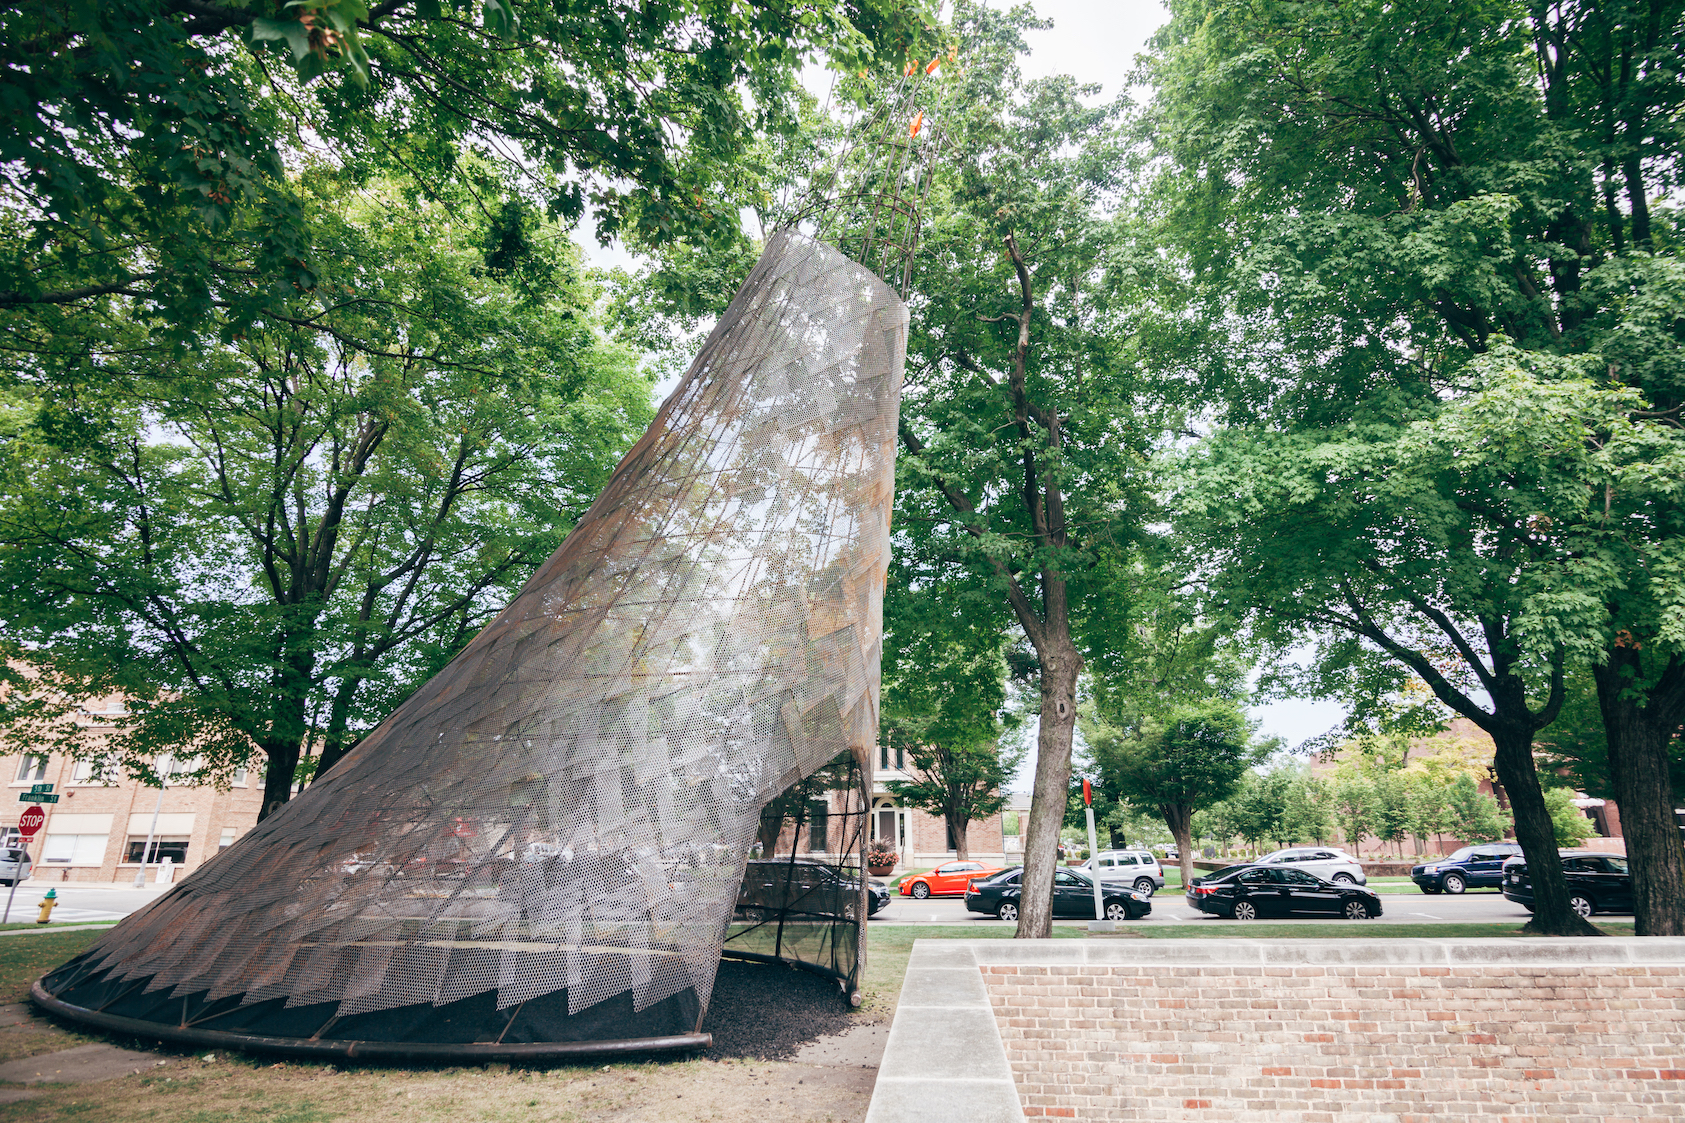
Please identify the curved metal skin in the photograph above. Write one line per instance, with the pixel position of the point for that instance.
(545, 842)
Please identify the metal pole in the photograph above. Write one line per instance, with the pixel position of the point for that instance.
(13, 892)
(163, 782)
(1094, 864)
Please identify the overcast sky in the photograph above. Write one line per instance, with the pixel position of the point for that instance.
(1097, 41)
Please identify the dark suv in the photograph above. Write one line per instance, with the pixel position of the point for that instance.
(1596, 882)
(1480, 866)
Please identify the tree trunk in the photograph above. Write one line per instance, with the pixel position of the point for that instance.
(279, 769)
(1533, 830)
(1059, 667)
(332, 753)
(958, 826)
(1180, 819)
(1639, 732)
(771, 826)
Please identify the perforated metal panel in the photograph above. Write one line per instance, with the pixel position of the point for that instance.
(562, 816)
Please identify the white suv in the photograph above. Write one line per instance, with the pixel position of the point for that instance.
(1136, 868)
(1325, 862)
(14, 865)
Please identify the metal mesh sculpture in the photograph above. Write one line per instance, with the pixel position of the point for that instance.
(542, 852)
(545, 843)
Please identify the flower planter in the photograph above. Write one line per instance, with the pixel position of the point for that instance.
(881, 871)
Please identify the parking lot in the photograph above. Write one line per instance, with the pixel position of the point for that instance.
(1475, 906)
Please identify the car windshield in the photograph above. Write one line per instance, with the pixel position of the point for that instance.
(1462, 855)
(1225, 873)
(1003, 875)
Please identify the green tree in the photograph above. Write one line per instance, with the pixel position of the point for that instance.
(1386, 210)
(1179, 761)
(1016, 423)
(1572, 826)
(1260, 807)
(1354, 807)
(1309, 812)
(137, 132)
(268, 541)
(1429, 809)
(1391, 809)
(1475, 815)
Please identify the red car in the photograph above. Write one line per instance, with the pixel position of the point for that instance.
(947, 880)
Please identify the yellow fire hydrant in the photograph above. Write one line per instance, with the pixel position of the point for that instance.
(47, 903)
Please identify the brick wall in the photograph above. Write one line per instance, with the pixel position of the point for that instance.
(1325, 1042)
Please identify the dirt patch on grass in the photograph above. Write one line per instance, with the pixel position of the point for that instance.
(768, 1011)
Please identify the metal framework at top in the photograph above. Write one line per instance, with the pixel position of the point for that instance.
(869, 202)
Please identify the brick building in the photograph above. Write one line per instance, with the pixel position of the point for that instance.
(98, 829)
(922, 838)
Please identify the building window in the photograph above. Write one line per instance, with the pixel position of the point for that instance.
(1009, 822)
(227, 839)
(33, 768)
(92, 772)
(818, 825)
(75, 849)
(175, 849)
(239, 779)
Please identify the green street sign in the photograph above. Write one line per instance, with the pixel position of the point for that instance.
(41, 788)
(36, 797)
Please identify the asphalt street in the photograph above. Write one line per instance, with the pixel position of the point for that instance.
(1169, 907)
(80, 902)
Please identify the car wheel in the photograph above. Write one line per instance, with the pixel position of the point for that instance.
(1117, 910)
(920, 891)
(1582, 906)
(1144, 886)
(1007, 911)
(1344, 879)
(1245, 910)
(1454, 883)
(1356, 910)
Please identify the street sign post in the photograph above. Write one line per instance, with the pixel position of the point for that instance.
(28, 823)
(41, 788)
(36, 797)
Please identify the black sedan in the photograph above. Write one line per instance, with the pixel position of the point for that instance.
(1073, 896)
(1596, 883)
(1248, 892)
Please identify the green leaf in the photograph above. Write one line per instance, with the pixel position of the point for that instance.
(297, 36)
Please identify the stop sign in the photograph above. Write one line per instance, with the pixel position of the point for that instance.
(30, 821)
